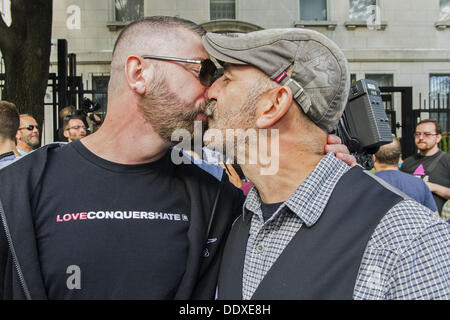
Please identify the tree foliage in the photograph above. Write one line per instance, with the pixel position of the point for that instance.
(25, 46)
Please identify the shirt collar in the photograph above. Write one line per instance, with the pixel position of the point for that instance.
(6, 155)
(310, 198)
(22, 153)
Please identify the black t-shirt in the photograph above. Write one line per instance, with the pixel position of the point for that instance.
(110, 231)
(268, 209)
(440, 174)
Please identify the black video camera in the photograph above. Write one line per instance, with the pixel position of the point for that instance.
(87, 110)
(364, 125)
(88, 106)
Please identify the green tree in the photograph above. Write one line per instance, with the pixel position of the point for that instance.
(25, 46)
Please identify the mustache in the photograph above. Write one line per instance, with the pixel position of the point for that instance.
(210, 107)
(192, 115)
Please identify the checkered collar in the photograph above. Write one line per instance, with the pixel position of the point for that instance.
(311, 197)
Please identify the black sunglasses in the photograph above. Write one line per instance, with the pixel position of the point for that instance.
(30, 127)
(208, 71)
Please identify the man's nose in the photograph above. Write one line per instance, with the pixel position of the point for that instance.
(205, 93)
(211, 92)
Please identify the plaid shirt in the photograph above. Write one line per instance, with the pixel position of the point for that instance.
(407, 256)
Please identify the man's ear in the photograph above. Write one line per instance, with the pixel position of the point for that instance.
(274, 105)
(134, 72)
(439, 138)
(66, 134)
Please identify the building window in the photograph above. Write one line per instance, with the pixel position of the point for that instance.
(440, 99)
(5, 11)
(439, 91)
(362, 10)
(444, 6)
(313, 10)
(129, 10)
(383, 79)
(222, 9)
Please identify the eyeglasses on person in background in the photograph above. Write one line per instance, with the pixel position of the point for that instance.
(30, 127)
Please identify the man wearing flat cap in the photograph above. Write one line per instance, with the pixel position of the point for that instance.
(317, 228)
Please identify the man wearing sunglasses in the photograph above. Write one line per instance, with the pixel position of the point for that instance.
(111, 216)
(28, 134)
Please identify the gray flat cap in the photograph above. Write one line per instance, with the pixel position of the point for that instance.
(320, 79)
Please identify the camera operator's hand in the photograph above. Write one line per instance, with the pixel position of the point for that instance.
(95, 118)
(334, 144)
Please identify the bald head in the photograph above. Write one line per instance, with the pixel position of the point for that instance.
(156, 34)
(389, 154)
(28, 134)
(159, 35)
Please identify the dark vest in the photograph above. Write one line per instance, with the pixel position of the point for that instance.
(320, 262)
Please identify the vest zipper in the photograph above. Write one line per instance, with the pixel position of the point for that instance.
(11, 248)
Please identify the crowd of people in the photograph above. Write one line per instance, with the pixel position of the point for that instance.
(110, 216)
(20, 134)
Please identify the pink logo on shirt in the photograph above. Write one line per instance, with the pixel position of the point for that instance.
(71, 216)
(420, 171)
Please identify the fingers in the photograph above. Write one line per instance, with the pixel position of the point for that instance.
(333, 139)
(334, 144)
(347, 158)
(336, 148)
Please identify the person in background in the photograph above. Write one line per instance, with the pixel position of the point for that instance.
(386, 161)
(63, 115)
(237, 177)
(431, 164)
(27, 136)
(74, 128)
(9, 123)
